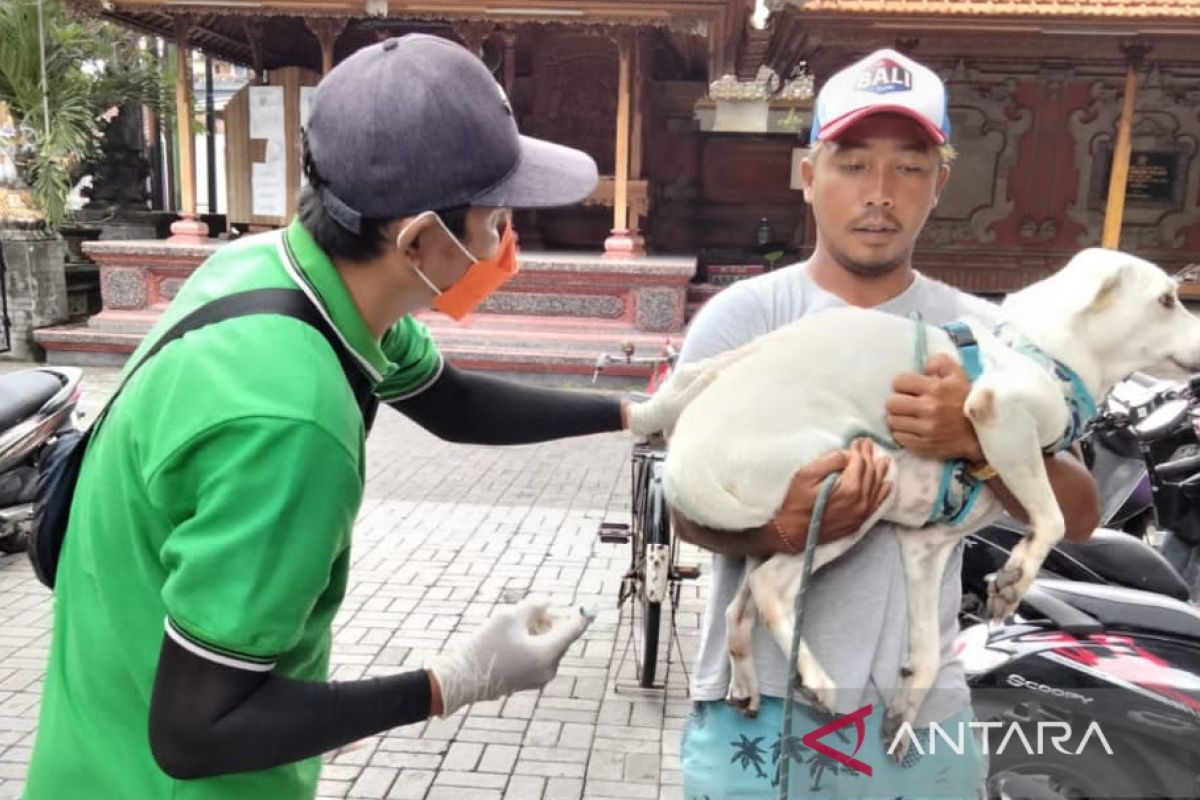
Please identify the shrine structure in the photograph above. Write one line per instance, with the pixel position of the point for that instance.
(619, 79)
(1074, 121)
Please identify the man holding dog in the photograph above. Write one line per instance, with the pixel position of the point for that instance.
(208, 549)
(879, 159)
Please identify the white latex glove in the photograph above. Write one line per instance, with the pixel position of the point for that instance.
(517, 649)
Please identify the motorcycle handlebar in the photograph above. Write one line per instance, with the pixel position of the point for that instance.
(1178, 468)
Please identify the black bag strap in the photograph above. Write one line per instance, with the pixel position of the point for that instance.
(286, 302)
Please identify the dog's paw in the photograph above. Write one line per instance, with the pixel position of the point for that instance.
(1007, 588)
(821, 704)
(747, 706)
(743, 691)
(814, 685)
(893, 720)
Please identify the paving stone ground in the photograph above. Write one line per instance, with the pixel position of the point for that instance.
(446, 533)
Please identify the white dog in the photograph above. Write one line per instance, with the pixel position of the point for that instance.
(745, 421)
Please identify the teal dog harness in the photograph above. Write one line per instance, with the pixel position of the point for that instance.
(958, 491)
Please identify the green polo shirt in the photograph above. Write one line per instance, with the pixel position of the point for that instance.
(216, 503)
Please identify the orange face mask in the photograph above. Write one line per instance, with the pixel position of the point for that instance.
(481, 279)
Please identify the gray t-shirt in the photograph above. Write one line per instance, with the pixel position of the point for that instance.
(856, 620)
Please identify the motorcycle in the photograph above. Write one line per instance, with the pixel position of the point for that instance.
(1114, 671)
(1107, 634)
(35, 406)
(1160, 427)
(1144, 452)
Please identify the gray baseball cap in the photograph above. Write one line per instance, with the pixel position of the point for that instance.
(418, 123)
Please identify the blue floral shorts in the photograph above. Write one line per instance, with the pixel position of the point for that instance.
(728, 757)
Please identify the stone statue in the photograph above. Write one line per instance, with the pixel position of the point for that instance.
(119, 174)
(16, 145)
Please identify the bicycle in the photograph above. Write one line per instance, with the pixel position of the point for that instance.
(654, 574)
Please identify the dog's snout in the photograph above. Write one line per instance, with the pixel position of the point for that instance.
(1186, 352)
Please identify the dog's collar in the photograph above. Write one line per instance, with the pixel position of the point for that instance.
(957, 491)
(1081, 407)
(968, 348)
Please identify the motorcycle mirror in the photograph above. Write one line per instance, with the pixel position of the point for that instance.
(1160, 422)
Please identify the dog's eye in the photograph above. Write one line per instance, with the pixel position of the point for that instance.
(1167, 301)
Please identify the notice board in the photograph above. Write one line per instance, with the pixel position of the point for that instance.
(262, 146)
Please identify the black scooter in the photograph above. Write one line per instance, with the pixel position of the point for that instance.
(1106, 645)
(1114, 670)
(35, 405)
(1144, 450)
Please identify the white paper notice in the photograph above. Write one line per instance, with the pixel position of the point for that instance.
(268, 189)
(266, 112)
(268, 179)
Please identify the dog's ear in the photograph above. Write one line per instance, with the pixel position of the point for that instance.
(1105, 292)
(1101, 278)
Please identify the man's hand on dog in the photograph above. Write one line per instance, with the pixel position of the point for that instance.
(858, 492)
(925, 413)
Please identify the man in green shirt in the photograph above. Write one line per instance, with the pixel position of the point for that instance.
(209, 538)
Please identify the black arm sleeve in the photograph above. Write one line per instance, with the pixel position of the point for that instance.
(471, 408)
(207, 719)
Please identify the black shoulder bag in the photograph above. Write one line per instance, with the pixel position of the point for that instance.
(60, 460)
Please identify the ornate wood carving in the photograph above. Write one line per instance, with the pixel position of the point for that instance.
(747, 170)
(254, 27)
(987, 125)
(182, 26)
(327, 30)
(575, 94)
(605, 194)
(474, 33)
(1165, 123)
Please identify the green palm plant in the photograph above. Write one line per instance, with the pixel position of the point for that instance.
(91, 67)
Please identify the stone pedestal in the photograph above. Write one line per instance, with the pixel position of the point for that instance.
(82, 274)
(189, 230)
(622, 244)
(34, 284)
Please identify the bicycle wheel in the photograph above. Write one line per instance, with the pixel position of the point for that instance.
(656, 565)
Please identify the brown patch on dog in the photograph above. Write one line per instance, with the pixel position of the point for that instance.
(981, 406)
(768, 615)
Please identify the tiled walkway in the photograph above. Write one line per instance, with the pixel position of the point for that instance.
(445, 534)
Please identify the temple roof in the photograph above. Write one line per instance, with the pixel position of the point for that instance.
(1125, 9)
(231, 30)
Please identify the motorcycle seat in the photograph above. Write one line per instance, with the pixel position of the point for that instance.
(1119, 607)
(1127, 561)
(23, 393)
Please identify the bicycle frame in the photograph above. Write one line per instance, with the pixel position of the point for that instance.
(654, 576)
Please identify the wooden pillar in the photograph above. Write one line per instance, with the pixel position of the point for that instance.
(327, 30)
(188, 228)
(638, 102)
(510, 59)
(1115, 210)
(641, 58)
(622, 242)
